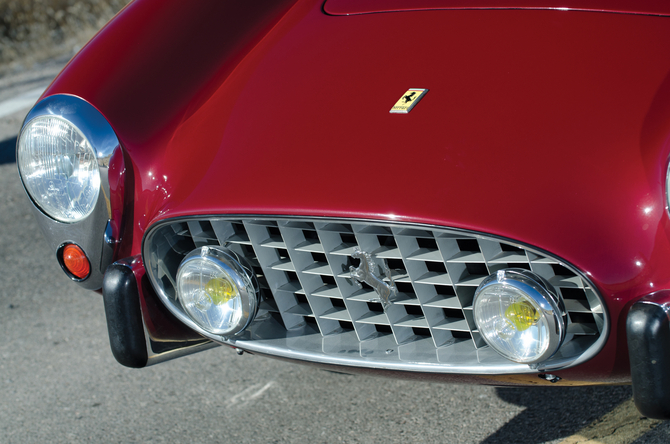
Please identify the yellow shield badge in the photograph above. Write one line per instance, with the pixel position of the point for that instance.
(408, 100)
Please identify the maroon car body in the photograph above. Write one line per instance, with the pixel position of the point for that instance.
(547, 123)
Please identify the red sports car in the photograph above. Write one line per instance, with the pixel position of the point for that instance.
(451, 190)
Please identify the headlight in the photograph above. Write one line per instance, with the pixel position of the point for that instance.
(59, 168)
(519, 315)
(217, 291)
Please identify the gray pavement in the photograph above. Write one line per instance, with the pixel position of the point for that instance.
(60, 383)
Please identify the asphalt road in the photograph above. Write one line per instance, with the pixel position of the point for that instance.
(60, 383)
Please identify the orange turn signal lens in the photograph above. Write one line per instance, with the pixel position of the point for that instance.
(75, 261)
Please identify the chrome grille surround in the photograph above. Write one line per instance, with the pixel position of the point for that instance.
(313, 311)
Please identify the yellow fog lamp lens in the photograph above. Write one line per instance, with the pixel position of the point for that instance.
(520, 315)
(220, 290)
(217, 290)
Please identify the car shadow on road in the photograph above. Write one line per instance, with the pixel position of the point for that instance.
(8, 151)
(555, 412)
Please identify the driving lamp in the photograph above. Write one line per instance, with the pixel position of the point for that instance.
(218, 290)
(520, 315)
(59, 168)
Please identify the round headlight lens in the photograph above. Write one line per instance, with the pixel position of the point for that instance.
(216, 291)
(59, 168)
(519, 315)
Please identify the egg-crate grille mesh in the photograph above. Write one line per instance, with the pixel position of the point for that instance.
(303, 268)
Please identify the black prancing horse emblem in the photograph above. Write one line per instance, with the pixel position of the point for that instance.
(409, 97)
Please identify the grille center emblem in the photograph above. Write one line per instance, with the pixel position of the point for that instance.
(365, 272)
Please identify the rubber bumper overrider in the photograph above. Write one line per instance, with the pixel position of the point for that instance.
(648, 330)
(124, 316)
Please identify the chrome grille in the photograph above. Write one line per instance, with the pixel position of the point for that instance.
(303, 267)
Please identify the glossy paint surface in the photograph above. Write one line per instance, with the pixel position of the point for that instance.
(347, 7)
(547, 127)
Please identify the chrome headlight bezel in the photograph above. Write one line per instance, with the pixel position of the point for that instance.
(539, 294)
(94, 130)
(93, 232)
(235, 314)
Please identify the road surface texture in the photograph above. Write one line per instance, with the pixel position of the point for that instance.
(60, 383)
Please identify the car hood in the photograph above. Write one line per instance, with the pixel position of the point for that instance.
(547, 127)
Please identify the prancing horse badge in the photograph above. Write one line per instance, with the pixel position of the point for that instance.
(408, 100)
(365, 272)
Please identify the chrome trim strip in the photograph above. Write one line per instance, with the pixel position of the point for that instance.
(156, 356)
(256, 340)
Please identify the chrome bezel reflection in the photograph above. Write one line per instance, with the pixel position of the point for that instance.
(212, 262)
(540, 294)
